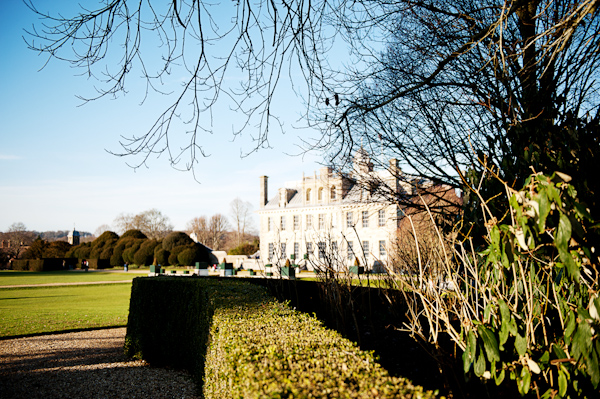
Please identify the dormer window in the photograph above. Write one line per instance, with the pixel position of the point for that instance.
(333, 194)
(320, 194)
(308, 192)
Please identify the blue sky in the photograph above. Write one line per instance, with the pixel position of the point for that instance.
(55, 172)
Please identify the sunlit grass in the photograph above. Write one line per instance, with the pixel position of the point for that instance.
(37, 310)
(9, 277)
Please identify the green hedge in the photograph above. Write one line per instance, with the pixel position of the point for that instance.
(258, 347)
(41, 265)
(168, 323)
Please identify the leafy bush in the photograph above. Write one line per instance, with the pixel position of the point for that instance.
(107, 236)
(162, 256)
(173, 257)
(176, 239)
(293, 355)
(527, 306)
(245, 249)
(106, 253)
(145, 254)
(133, 233)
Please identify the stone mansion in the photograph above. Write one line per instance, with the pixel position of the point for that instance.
(332, 219)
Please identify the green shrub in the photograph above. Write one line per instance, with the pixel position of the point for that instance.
(176, 239)
(245, 249)
(20, 264)
(145, 254)
(186, 257)
(107, 236)
(133, 233)
(168, 323)
(106, 253)
(98, 263)
(173, 257)
(57, 249)
(258, 347)
(162, 256)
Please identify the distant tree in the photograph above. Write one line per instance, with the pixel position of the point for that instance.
(218, 226)
(245, 249)
(56, 249)
(16, 239)
(200, 227)
(35, 250)
(151, 222)
(241, 214)
(101, 229)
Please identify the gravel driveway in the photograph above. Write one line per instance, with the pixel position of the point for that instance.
(88, 364)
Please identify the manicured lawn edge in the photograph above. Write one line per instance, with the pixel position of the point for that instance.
(241, 342)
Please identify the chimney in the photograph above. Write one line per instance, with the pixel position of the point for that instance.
(264, 191)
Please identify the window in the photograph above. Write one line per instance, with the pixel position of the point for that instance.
(308, 222)
(333, 194)
(349, 219)
(365, 218)
(365, 248)
(271, 251)
(296, 250)
(382, 248)
(309, 248)
(308, 195)
(350, 250)
(269, 223)
(282, 223)
(296, 222)
(283, 251)
(321, 221)
(322, 249)
(381, 217)
(320, 194)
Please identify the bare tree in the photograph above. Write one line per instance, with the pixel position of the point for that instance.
(16, 239)
(241, 214)
(101, 229)
(200, 227)
(218, 227)
(151, 222)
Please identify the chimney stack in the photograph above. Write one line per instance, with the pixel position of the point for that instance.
(264, 192)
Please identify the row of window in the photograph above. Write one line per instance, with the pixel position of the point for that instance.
(320, 194)
(322, 249)
(350, 221)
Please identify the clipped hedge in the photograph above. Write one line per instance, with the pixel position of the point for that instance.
(40, 265)
(168, 323)
(258, 347)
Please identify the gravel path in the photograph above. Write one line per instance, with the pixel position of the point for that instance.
(88, 364)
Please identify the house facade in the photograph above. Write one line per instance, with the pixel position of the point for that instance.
(332, 220)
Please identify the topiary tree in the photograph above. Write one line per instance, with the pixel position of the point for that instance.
(107, 253)
(57, 249)
(107, 236)
(175, 239)
(134, 233)
(162, 256)
(145, 254)
(173, 257)
(187, 257)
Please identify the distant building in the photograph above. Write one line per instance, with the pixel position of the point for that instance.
(332, 215)
(73, 237)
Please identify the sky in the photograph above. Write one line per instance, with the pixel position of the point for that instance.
(55, 169)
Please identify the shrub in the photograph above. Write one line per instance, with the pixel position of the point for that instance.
(107, 236)
(106, 253)
(57, 249)
(145, 254)
(133, 233)
(175, 253)
(187, 257)
(244, 249)
(176, 239)
(162, 256)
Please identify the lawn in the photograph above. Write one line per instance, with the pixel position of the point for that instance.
(9, 277)
(26, 311)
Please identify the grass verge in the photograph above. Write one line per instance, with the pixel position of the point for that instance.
(9, 277)
(27, 311)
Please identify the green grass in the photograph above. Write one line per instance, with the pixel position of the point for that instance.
(9, 277)
(25, 311)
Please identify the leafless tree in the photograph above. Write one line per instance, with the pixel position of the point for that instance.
(448, 88)
(101, 229)
(241, 214)
(151, 222)
(200, 227)
(218, 227)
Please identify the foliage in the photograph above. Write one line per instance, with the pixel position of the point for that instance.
(145, 254)
(175, 253)
(245, 249)
(134, 233)
(129, 252)
(107, 236)
(162, 256)
(193, 253)
(526, 307)
(56, 249)
(298, 356)
(175, 239)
